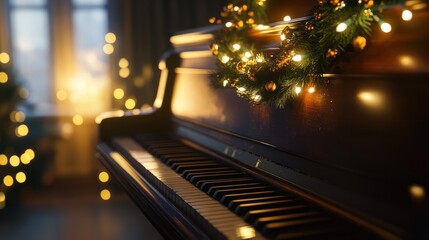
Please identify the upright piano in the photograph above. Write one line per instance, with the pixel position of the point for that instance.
(349, 161)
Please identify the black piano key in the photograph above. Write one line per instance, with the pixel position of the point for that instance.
(226, 199)
(180, 167)
(253, 215)
(205, 185)
(178, 159)
(273, 229)
(218, 194)
(194, 179)
(234, 203)
(261, 222)
(242, 209)
(169, 157)
(212, 168)
(212, 189)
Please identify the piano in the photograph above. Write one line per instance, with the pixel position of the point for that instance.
(349, 161)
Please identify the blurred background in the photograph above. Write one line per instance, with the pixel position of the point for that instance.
(62, 63)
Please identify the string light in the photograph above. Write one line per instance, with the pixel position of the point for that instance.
(118, 93)
(130, 104)
(123, 63)
(225, 83)
(298, 90)
(110, 37)
(20, 177)
(287, 18)
(341, 27)
(21, 130)
(241, 89)
(311, 90)
(248, 54)
(3, 160)
(3, 77)
(4, 58)
(8, 181)
(386, 27)
(297, 58)
(105, 194)
(236, 46)
(14, 161)
(407, 15)
(77, 120)
(108, 48)
(228, 24)
(103, 177)
(225, 59)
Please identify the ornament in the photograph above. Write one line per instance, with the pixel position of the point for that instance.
(318, 16)
(334, 2)
(322, 2)
(282, 61)
(241, 67)
(287, 36)
(215, 48)
(369, 4)
(359, 42)
(270, 86)
(212, 20)
(332, 53)
(309, 26)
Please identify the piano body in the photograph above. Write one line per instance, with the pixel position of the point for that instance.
(349, 161)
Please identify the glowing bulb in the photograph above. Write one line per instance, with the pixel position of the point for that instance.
(124, 72)
(241, 89)
(21, 130)
(61, 95)
(8, 180)
(225, 83)
(236, 46)
(2, 197)
(3, 77)
(386, 27)
(248, 54)
(259, 58)
(228, 24)
(110, 37)
(282, 37)
(30, 153)
(25, 158)
(287, 18)
(77, 120)
(3, 160)
(341, 27)
(20, 177)
(108, 49)
(14, 161)
(236, 8)
(298, 90)
(123, 63)
(297, 58)
(407, 15)
(311, 90)
(118, 93)
(4, 58)
(257, 98)
(105, 194)
(417, 192)
(103, 177)
(17, 116)
(130, 103)
(244, 59)
(225, 59)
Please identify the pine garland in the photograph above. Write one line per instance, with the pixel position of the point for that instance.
(306, 51)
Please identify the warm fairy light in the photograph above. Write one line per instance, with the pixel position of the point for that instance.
(20, 177)
(261, 2)
(259, 58)
(108, 49)
(3, 77)
(341, 27)
(406, 61)
(244, 59)
(407, 15)
(297, 58)
(298, 90)
(311, 90)
(262, 27)
(118, 93)
(61, 94)
(123, 63)
(124, 72)
(257, 98)
(77, 120)
(3, 160)
(8, 180)
(23, 93)
(236, 46)
(103, 177)
(225, 59)
(241, 89)
(105, 194)
(25, 158)
(4, 58)
(17, 116)
(248, 54)
(110, 37)
(386, 27)
(225, 83)
(282, 37)
(2, 197)
(372, 99)
(287, 18)
(228, 24)
(21, 130)
(30, 153)
(236, 8)
(417, 192)
(14, 161)
(130, 103)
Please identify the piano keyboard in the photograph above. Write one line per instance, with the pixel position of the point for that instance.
(226, 202)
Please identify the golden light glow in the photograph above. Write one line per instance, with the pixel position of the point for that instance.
(17, 116)
(225, 83)
(3, 77)
(261, 2)
(287, 18)
(225, 59)
(110, 37)
(228, 24)
(30, 153)
(341, 27)
(311, 90)
(2, 204)
(386, 27)
(4, 57)
(2, 197)
(241, 89)
(105, 194)
(124, 72)
(407, 15)
(3, 160)
(417, 192)
(118, 93)
(262, 27)
(108, 49)
(371, 98)
(248, 54)
(8, 180)
(298, 90)
(77, 120)
(62, 95)
(123, 63)
(297, 58)
(23, 93)
(282, 37)
(236, 46)
(257, 98)
(406, 61)
(103, 176)
(246, 232)
(130, 103)
(25, 158)
(21, 130)
(20, 177)
(14, 161)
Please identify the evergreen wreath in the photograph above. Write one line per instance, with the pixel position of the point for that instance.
(306, 50)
